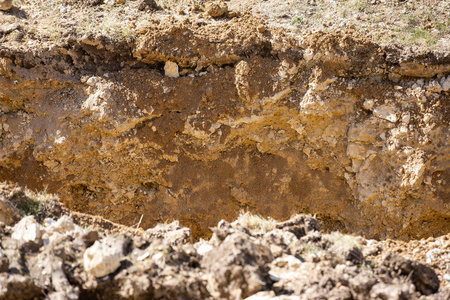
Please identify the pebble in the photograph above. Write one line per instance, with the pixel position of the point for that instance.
(171, 69)
(204, 248)
(434, 86)
(113, 2)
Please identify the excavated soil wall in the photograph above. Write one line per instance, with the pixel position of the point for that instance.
(258, 119)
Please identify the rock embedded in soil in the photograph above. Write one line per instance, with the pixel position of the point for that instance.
(8, 213)
(171, 69)
(237, 267)
(103, 257)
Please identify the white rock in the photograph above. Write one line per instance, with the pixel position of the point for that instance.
(386, 112)
(143, 256)
(93, 81)
(27, 230)
(406, 118)
(64, 224)
(432, 255)
(445, 83)
(372, 243)
(308, 54)
(171, 69)
(103, 257)
(54, 229)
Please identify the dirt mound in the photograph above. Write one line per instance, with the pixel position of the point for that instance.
(250, 258)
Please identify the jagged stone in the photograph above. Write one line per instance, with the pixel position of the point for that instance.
(103, 257)
(28, 232)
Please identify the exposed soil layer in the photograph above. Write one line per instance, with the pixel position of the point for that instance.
(194, 118)
(49, 256)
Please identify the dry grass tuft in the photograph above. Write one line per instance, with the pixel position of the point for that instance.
(255, 223)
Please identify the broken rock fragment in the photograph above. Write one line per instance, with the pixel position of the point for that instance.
(103, 257)
(422, 276)
(28, 231)
(171, 69)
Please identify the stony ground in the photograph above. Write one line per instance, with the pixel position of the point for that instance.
(422, 24)
(48, 255)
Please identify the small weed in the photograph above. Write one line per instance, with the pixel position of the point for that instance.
(368, 268)
(297, 21)
(311, 250)
(30, 207)
(441, 26)
(418, 33)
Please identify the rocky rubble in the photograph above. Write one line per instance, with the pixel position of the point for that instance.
(185, 114)
(57, 259)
